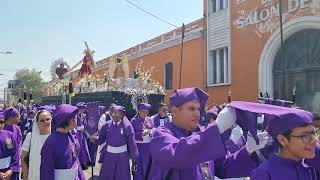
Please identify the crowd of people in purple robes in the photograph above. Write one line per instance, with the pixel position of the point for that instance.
(239, 140)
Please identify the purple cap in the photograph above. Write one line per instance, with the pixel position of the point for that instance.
(102, 108)
(10, 112)
(1, 115)
(81, 105)
(63, 113)
(50, 109)
(144, 106)
(213, 112)
(181, 96)
(117, 109)
(277, 120)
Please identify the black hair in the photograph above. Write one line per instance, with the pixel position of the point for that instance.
(160, 105)
(316, 116)
(287, 135)
(40, 112)
(64, 124)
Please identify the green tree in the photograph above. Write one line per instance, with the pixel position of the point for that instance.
(30, 81)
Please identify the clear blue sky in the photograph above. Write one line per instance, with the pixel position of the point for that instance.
(38, 32)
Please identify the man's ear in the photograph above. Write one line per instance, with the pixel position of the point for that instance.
(174, 110)
(282, 140)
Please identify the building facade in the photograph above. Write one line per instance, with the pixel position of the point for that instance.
(251, 32)
(164, 54)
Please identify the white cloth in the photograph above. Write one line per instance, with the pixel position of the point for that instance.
(37, 142)
(226, 119)
(5, 162)
(236, 134)
(242, 178)
(102, 121)
(251, 144)
(66, 174)
(117, 150)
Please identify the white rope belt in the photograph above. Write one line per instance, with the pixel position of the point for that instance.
(5, 162)
(117, 150)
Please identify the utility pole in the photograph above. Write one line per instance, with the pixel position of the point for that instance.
(181, 53)
(282, 51)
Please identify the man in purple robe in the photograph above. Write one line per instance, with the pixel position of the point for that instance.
(28, 126)
(118, 136)
(9, 154)
(12, 118)
(23, 117)
(296, 136)
(59, 154)
(84, 156)
(91, 130)
(142, 125)
(183, 151)
(162, 117)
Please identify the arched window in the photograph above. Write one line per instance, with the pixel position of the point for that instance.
(300, 68)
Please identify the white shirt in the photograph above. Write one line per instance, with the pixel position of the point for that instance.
(102, 121)
(26, 144)
(116, 123)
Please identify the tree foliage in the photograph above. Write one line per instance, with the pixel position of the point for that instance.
(30, 81)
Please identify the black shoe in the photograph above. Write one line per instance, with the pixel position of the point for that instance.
(84, 167)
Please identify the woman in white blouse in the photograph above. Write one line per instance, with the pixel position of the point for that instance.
(40, 131)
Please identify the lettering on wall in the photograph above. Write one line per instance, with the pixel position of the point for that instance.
(265, 17)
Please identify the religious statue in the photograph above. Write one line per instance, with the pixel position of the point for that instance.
(61, 70)
(119, 68)
(87, 62)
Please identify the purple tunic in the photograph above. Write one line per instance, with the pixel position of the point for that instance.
(277, 167)
(116, 166)
(157, 120)
(91, 128)
(17, 136)
(23, 121)
(232, 147)
(60, 151)
(9, 148)
(84, 156)
(143, 146)
(184, 155)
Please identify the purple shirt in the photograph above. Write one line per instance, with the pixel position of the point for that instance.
(60, 151)
(139, 125)
(118, 135)
(184, 154)
(277, 167)
(9, 148)
(157, 120)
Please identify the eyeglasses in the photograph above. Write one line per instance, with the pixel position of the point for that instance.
(307, 138)
(2, 122)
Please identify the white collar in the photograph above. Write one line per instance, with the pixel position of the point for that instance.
(116, 123)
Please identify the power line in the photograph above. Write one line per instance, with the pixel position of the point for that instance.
(157, 17)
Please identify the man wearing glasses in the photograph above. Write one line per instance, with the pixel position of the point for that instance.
(297, 138)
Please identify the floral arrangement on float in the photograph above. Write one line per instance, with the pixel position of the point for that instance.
(116, 78)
